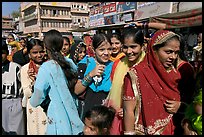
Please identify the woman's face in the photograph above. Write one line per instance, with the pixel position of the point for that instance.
(82, 53)
(37, 54)
(131, 49)
(103, 52)
(198, 108)
(168, 53)
(65, 48)
(89, 129)
(10, 39)
(116, 45)
(22, 42)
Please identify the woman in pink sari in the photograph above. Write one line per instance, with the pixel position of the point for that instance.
(151, 96)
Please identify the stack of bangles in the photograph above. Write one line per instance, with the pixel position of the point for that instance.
(86, 80)
(129, 133)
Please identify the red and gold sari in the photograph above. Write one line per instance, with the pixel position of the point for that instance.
(151, 85)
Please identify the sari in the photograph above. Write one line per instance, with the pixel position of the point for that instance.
(114, 98)
(120, 55)
(151, 85)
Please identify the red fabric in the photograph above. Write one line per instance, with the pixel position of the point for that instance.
(187, 83)
(114, 67)
(156, 86)
(33, 65)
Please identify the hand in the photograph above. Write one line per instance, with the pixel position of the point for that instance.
(172, 106)
(188, 130)
(120, 112)
(98, 70)
(31, 74)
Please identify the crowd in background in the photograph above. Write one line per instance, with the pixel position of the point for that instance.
(136, 82)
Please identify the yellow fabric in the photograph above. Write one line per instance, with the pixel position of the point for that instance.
(117, 57)
(114, 97)
(198, 47)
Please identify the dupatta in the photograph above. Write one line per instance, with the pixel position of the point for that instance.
(154, 86)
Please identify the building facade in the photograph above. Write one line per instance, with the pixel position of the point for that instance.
(7, 25)
(39, 17)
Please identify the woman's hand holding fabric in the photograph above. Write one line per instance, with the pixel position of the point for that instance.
(120, 112)
(98, 70)
(172, 106)
(31, 74)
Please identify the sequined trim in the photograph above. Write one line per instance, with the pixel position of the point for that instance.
(126, 98)
(157, 128)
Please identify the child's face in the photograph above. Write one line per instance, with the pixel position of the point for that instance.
(198, 108)
(89, 129)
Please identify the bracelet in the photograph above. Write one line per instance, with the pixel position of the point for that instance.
(129, 133)
(86, 80)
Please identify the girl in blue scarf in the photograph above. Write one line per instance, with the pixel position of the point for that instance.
(94, 81)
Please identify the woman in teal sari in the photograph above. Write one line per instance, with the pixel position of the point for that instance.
(55, 80)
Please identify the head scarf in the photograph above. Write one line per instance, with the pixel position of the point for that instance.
(156, 86)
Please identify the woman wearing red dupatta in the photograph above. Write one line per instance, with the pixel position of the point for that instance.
(151, 96)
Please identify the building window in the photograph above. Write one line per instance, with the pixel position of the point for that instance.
(54, 12)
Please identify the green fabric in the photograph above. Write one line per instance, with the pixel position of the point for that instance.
(196, 119)
(197, 124)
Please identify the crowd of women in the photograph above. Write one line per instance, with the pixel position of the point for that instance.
(133, 83)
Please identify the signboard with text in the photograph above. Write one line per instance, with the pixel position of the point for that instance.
(126, 6)
(151, 9)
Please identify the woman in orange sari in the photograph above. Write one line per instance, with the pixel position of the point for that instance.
(151, 96)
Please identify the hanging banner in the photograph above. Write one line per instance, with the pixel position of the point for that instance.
(151, 9)
(181, 19)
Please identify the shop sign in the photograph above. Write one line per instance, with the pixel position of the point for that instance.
(151, 9)
(109, 9)
(126, 6)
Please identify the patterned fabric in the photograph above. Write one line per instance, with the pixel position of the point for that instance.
(36, 117)
(120, 55)
(114, 98)
(152, 85)
(63, 118)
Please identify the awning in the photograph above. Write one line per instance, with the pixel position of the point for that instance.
(180, 19)
(104, 27)
(80, 30)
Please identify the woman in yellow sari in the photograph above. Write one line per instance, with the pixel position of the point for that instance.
(133, 48)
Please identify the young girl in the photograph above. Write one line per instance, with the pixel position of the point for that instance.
(98, 120)
(55, 80)
(36, 118)
(117, 47)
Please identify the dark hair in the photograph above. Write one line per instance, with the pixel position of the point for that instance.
(101, 117)
(182, 48)
(136, 33)
(158, 46)
(74, 55)
(32, 42)
(98, 39)
(4, 47)
(53, 41)
(66, 39)
(116, 35)
(10, 34)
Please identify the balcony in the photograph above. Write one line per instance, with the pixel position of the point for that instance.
(29, 17)
(77, 10)
(56, 17)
